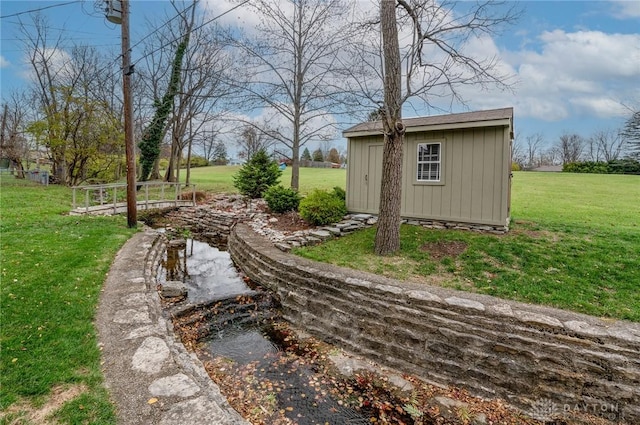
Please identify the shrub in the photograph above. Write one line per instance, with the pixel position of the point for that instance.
(586, 167)
(515, 166)
(196, 161)
(281, 199)
(256, 175)
(340, 193)
(321, 207)
(624, 166)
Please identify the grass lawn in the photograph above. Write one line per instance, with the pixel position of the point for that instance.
(53, 267)
(220, 178)
(574, 244)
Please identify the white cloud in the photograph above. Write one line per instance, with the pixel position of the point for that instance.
(602, 107)
(582, 73)
(242, 16)
(626, 9)
(4, 63)
(591, 53)
(58, 60)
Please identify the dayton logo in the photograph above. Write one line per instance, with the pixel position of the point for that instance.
(544, 409)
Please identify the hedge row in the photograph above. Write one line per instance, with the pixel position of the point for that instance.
(616, 166)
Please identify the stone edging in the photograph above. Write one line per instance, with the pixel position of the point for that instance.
(353, 222)
(537, 358)
(150, 375)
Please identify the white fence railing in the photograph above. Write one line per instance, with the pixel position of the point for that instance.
(114, 195)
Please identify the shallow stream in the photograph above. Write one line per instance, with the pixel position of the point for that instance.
(237, 326)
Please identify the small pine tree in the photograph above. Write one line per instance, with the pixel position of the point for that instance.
(306, 155)
(256, 175)
(317, 155)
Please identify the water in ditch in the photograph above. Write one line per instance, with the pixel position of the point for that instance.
(236, 328)
(207, 271)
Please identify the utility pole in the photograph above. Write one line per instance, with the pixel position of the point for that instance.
(118, 13)
(127, 70)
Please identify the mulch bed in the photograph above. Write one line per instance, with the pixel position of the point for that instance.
(290, 221)
(441, 249)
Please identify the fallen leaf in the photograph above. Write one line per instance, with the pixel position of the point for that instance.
(152, 400)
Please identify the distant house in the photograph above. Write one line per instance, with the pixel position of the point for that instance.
(236, 161)
(456, 168)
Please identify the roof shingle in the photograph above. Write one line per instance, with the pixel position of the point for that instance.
(464, 117)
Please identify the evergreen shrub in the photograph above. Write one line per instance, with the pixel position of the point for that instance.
(257, 175)
(281, 199)
(321, 207)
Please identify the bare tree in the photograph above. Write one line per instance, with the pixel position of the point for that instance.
(13, 145)
(153, 134)
(609, 145)
(252, 139)
(48, 61)
(533, 149)
(201, 93)
(433, 64)
(74, 117)
(518, 155)
(199, 90)
(549, 156)
(291, 61)
(208, 141)
(570, 148)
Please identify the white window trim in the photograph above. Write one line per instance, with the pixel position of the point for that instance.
(439, 162)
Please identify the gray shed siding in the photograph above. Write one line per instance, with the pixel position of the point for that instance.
(475, 170)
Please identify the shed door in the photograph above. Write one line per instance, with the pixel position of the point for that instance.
(373, 178)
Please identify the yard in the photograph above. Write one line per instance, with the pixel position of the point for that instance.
(219, 179)
(53, 267)
(575, 244)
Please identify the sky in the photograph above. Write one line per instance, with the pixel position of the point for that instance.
(576, 63)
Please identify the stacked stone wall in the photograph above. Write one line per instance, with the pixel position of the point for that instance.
(542, 360)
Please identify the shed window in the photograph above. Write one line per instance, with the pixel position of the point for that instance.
(429, 162)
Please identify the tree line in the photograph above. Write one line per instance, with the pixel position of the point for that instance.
(602, 147)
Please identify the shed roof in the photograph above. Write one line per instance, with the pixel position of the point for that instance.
(488, 118)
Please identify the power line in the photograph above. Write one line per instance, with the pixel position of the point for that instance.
(176, 39)
(162, 46)
(145, 37)
(163, 25)
(27, 24)
(40, 8)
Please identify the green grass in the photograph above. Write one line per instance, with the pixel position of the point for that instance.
(574, 244)
(53, 267)
(571, 200)
(220, 178)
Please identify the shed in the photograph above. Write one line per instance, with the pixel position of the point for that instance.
(456, 169)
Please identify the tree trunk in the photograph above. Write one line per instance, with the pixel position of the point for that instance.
(295, 168)
(155, 173)
(388, 234)
(295, 161)
(174, 163)
(178, 161)
(59, 167)
(188, 177)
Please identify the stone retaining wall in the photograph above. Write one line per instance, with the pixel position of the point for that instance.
(545, 361)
